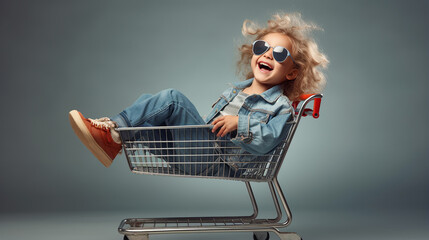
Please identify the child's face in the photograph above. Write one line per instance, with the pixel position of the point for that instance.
(276, 73)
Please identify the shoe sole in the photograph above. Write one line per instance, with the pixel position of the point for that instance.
(86, 138)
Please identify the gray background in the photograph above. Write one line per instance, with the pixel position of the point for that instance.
(360, 171)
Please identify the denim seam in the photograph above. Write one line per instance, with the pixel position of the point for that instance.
(123, 116)
(178, 103)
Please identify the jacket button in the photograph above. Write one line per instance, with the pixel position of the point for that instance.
(234, 91)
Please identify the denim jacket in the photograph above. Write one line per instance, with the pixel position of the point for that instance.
(262, 120)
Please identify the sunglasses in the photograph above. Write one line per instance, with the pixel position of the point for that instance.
(280, 53)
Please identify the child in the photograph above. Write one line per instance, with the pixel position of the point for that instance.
(281, 64)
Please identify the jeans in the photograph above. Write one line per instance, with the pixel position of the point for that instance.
(166, 108)
(171, 108)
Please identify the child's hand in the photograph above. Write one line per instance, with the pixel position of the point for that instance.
(225, 124)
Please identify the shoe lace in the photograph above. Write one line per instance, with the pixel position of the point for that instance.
(106, 124)
(100, 125)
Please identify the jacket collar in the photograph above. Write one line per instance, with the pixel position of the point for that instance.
(271, 95)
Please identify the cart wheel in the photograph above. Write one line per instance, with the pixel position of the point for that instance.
(261, 235)
(125, 237)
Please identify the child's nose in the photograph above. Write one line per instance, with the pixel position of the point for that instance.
(269, 54)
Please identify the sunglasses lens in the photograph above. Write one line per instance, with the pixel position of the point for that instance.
(259, 47)
(280, 53)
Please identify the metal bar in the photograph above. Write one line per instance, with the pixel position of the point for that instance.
(253, 200)
(164, 127)
(276, 203)
(200, 155)
(234, 178)
(284, 202)
(218, 228)
(126, 155)
(177, 141)
(179, 148)
(212, 219)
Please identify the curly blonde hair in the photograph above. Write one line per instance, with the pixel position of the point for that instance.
(305, 52)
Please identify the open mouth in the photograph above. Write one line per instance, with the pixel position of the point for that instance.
(265, 66)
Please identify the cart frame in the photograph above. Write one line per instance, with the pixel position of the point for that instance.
(141, 228)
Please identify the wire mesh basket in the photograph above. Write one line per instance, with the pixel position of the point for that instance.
(194, 151)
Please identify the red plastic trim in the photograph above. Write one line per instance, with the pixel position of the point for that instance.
(316, 107)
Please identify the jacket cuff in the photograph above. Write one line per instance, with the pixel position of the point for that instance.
(243, 133)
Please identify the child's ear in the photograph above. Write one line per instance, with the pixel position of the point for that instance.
(292, 74)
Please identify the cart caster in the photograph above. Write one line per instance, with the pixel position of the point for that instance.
(261, 235)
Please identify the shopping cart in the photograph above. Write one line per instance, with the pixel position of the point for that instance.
(191, 151)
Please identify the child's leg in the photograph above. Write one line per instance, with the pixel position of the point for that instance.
(168, 107)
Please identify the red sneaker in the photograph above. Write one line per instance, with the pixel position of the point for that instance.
(96, 136)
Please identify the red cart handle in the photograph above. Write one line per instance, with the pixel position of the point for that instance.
(316, 105)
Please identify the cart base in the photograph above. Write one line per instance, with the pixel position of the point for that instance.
(282, 236)
(141, 228)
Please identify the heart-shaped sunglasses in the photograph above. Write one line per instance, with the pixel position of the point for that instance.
(280, 53)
